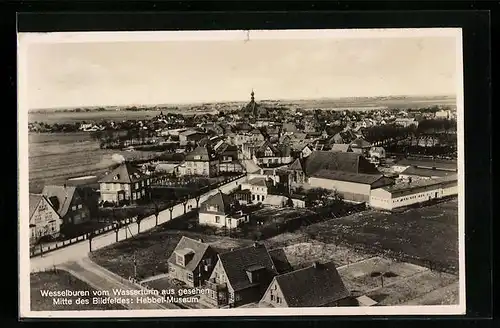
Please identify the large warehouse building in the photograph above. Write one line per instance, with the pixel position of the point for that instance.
(348, 173)
(405, 194)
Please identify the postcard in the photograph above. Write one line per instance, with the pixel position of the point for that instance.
(241, 173)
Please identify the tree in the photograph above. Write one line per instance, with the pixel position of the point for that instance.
(90, 236)
(138, 221)
(197, 198)
(171, 209)
(184, 203)
(316, 195)
(157, 213)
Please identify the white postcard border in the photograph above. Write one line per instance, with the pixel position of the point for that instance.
(25, 39)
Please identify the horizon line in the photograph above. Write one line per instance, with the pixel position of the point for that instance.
(239, 101)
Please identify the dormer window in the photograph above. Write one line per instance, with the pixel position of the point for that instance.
(180, 260)
(197, 157)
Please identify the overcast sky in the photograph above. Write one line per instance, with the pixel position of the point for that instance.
(126, 73)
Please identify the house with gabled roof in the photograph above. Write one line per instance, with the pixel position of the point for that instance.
(125, 184)
(68, 204)
(203, 160)
(240, 277)
(192, 261)
(318, 285)
(361, 146)
(190, 136)
(44, 221)
(219, 211)
(268, 154)
(259, 187)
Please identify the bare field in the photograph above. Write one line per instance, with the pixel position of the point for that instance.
(402, 283)
(55, 157)
(428, 233)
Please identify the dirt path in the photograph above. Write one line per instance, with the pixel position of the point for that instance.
(104, 280)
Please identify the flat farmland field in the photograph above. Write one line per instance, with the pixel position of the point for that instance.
(55, 157)
(428, 233)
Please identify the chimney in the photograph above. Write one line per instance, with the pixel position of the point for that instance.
(200, 240)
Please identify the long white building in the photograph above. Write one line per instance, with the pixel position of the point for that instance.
(405, 194)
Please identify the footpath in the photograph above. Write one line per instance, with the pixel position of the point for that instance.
(101, 279)
(80, 250)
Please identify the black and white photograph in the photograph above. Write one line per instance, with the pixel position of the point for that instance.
(241, 173)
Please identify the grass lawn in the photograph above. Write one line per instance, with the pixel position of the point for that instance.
(415, 288)
(59, 281)
(152, 250)
(428, 233)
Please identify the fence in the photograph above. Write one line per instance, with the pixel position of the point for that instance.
(40, 249)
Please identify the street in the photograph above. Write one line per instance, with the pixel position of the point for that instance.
(80, 250)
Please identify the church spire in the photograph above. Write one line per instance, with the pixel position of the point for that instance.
(252, 96)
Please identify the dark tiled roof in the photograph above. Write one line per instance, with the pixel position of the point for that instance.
(205, 153)
(60, 197)
(360, 143)
(296, 165)
(280, 260)
(427, 172)
(236, 263)
(262, 182)
(338, 161)
(125, 173)
(220, 200)
(348, 177)
(34, 200)
(196, 246)
(341, 147)
(312, 286)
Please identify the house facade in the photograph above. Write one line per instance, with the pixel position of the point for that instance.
(192, 262)
(318, 285)
(201, 161)
(240, 277)
(68, 204)
(269, 155)
(218, 211)
(125, 184)
(258, 188)
(44, 221)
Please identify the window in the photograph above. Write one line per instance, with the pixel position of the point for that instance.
(217, 219)
(137, 185)
(79, 206)
(272, 297)
(73, 207)
(238, 297)
(189, 276)
(180, 260)
(278, 299)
